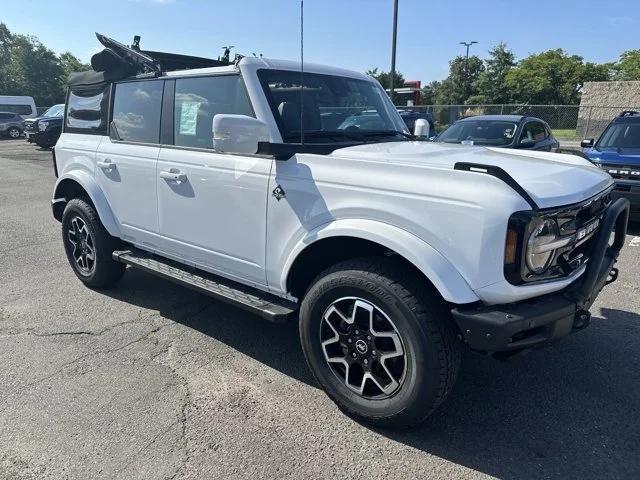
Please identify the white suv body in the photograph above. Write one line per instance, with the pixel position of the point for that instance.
(252, 217)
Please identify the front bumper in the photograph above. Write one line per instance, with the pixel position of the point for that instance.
(540, 320)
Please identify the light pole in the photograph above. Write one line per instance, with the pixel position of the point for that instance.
(393, 49)
(466, 67)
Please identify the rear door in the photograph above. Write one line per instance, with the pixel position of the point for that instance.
(211, 206)
(126, 164)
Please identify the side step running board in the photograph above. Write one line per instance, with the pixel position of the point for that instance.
(269, 307)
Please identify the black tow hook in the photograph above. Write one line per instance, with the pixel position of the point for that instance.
(613, 276)
(581, 320)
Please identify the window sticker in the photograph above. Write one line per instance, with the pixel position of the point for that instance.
(188, 118)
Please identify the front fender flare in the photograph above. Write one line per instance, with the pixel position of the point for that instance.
(95, 193)
(440, 271)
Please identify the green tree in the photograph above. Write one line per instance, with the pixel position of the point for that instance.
(71, 63)
(460, 84)
(628, 66)
(429, 93)
(553, 78)
(492, 85)
(27, 67)
(385, 78)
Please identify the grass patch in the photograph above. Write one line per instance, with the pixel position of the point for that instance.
(566, 133)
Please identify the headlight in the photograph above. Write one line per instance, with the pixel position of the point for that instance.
(42, 126)
(542, 245)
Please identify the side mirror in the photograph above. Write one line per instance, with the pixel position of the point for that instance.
(526, 143)
(587, 143)
(421, 128)
(238, 133)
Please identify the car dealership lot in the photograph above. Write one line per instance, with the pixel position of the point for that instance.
(151, 380)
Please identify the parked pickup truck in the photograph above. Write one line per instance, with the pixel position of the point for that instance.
(394, 255)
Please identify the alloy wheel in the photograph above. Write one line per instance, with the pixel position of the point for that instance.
(363, 347)
(84, 252)
(14, 132)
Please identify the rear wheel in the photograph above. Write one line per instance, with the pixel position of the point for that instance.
(14, 132)
(89, 246)
(381, 345)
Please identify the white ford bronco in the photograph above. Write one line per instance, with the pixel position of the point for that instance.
(301, 195)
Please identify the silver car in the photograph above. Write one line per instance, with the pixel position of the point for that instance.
(10, 124)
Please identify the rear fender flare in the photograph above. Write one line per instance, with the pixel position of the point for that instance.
(95, 193)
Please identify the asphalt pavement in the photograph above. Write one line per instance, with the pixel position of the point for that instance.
(153, 381)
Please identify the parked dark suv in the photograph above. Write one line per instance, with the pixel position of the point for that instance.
(617, 151)
(45, 130)
(506, 131)
(10, 124)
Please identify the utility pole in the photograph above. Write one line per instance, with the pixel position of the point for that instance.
(466, 67)
(393, 50)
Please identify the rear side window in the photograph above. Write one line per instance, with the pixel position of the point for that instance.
(87, 110)
(198, 100)
(136, 110)
(19, 109)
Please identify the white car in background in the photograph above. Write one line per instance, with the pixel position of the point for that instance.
(22, 105)
(393, 254)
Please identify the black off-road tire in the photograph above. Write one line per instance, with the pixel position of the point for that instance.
(105, 272)
(433, 353)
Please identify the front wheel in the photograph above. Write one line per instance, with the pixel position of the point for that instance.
(380, 343)
(89, 246)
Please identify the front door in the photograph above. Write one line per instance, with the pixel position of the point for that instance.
(211, 206)
(126, 167)
(536, 131)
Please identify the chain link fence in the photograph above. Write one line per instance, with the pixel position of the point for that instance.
(568, 122)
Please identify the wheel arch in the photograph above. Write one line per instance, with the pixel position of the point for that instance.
(79, 183)
(343, 239)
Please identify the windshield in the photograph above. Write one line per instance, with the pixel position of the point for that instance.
(55, 111)
(620, 135)
(334, 108)
(480, 132)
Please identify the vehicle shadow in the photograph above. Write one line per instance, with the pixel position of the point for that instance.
(571, 411)
(633, 227)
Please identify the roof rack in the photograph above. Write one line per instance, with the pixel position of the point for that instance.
(629, 113)
(118, 61)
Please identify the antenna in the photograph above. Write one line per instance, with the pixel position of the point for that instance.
(302, 72)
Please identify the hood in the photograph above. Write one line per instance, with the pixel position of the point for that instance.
(37, 119)
(551, 179)
(626, 156)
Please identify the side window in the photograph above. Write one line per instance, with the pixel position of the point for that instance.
(136, 110)
(198, 100)
(19, 109)
(87, 110)
(534, 131)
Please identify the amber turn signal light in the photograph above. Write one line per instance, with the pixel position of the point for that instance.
(510, 247)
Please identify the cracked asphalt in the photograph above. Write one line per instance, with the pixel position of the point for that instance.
(153, 381)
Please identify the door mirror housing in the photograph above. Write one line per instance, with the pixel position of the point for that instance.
(587, 143)
(421, 128)
(238, 133)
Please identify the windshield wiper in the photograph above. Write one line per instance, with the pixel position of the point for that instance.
(388, 133)
(323, 134)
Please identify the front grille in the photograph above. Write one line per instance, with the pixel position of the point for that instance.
(630, 172)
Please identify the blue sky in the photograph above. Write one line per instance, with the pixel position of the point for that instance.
(353, 34)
